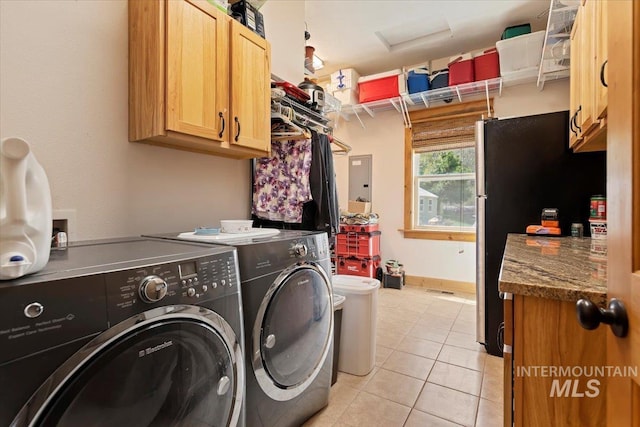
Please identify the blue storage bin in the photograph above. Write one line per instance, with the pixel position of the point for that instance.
(418, 81)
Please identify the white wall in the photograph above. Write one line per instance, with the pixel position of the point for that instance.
(284, 28)
(63, 88)
(383, 137)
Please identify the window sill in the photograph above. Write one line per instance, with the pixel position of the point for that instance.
(452, 236)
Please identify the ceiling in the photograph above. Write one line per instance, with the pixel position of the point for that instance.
(373, 36)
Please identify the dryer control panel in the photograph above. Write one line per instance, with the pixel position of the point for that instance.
(277, 254)
(188, 281)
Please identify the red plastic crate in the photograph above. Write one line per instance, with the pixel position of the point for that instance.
(487, 65)
(365, 267)
(358, 244)
(365, 228)
(461, 71)
(382, 88)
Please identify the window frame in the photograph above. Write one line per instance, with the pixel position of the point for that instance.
(411, 231)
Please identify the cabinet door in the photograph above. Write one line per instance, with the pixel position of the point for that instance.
(575, 78)
(197, 70)
(548, 338)
(250, 89)
(586, 118)
(601, 58)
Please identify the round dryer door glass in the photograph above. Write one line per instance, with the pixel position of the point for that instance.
(172, 373)
(296, 327)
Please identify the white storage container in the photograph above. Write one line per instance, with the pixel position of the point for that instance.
(346, 78)
(346, 96)
(520, 55)
(359, 316)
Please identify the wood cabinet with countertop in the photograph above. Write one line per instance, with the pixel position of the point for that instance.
(551, 362)
(588, 87)
(198, 80)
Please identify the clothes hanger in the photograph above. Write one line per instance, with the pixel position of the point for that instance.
(285, 129)
(343, 149)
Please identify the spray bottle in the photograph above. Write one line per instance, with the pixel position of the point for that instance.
(25, 211)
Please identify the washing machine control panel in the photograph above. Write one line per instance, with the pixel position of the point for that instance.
(188, 281)
(300, 249)
(309, 247)
(152, 289)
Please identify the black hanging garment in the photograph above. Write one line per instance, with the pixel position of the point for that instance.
(322, 212)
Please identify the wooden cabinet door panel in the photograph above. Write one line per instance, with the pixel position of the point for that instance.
(601, 58)
(197, 70)
(547, 335)
(586, 117)
(250, 89)
(575, 78)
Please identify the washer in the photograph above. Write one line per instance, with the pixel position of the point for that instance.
(288, 320)
(130, 332)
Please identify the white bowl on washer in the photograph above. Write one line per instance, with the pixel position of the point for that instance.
(236, 226)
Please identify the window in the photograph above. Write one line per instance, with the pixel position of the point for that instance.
(446, 179)
(440, 172)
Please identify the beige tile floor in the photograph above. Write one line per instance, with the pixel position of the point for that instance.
(429, 371)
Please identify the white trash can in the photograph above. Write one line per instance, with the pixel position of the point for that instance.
(338, 306)
(359, 315)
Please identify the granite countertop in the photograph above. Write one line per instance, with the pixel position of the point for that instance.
(560, 268)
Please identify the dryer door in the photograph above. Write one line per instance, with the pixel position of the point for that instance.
(177, 365)
(293, 330)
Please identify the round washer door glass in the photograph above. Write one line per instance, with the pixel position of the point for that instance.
(171, 373)
(296, 327)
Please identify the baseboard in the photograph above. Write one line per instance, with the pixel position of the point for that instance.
(440, 284)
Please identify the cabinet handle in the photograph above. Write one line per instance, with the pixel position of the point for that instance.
(575, 120)
(221, 119)
(602, 80)
(571, 124)
(590, 316)
(238, 123)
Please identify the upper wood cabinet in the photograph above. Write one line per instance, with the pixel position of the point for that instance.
(250, 75)
(588, 99)
(198, 80)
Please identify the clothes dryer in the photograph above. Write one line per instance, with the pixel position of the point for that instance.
(126, 332)
(288, 320)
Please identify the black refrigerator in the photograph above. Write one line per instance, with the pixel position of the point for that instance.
(523, 165)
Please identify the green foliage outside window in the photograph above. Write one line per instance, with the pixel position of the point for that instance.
(449, 174)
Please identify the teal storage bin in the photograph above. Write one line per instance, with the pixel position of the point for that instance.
(515, 31)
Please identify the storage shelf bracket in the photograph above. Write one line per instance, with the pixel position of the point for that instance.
(355, 111)
(395, 106)
(458, 92)
(406, 112)
(368, 110)
(486, 88)
(424, 100)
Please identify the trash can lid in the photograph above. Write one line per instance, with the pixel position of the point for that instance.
(354, 284)
(338, 301)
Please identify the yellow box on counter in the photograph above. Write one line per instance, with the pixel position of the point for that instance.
(359, 207)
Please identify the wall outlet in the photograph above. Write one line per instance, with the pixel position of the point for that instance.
(65, 220)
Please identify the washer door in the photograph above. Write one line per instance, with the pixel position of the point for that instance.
(293, 331)
(171, 366)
